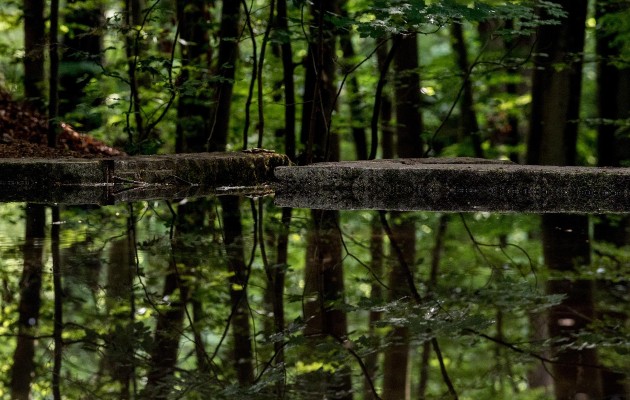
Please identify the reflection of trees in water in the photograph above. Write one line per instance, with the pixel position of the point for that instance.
(160, 313)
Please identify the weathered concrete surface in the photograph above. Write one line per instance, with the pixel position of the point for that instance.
(453, 185)
(105, 181)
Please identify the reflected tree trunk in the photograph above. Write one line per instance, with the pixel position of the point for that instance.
(167, 335)
(239, 271)
(30, 302)
(119, 359)
(377, 255)
(566, 244)
(323, 288)
(58, 304)
(396, 359)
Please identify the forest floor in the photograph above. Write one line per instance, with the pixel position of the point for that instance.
(23, 134)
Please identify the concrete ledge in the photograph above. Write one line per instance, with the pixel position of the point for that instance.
(105, 181)
(453, 185)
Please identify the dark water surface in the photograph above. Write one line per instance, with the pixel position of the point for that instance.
(162, 299)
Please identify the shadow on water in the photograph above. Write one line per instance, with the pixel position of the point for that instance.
(234, 297)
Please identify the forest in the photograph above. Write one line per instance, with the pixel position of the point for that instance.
(233, 297)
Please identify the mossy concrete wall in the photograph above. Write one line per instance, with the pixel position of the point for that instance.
(453, 185)
(104, 181)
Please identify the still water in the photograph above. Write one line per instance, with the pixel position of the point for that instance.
(236, 298)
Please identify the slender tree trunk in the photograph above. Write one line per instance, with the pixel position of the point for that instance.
(34, 45)
(468, 117)
(53, 79)
(133, 18)
(287, 79)
(228, 51)
(376, 293)
(386, 110)
(23, 367)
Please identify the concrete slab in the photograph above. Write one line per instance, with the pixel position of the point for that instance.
(453, 185)
(105, 181)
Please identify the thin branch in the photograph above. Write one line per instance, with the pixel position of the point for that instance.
(58, 307)
(261, 118)
(250, 93)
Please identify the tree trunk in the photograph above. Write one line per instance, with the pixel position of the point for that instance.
(34, 45)
(319, 88)
(23, 368)
(409, 144)
(557, 81)
(133, 18)
(567, 246)
(324, 286)
(287, 80)
(387, 129)
(376, 294)
(228, 51)
(167, 334)
(407, 92)
(552, 141)
(396, 360)
(241, 332)
(80, 60)
(53, 78)
(468, 117)
(357, 121)
(193, 109)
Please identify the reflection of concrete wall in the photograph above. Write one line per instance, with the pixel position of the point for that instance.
(453, 185)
